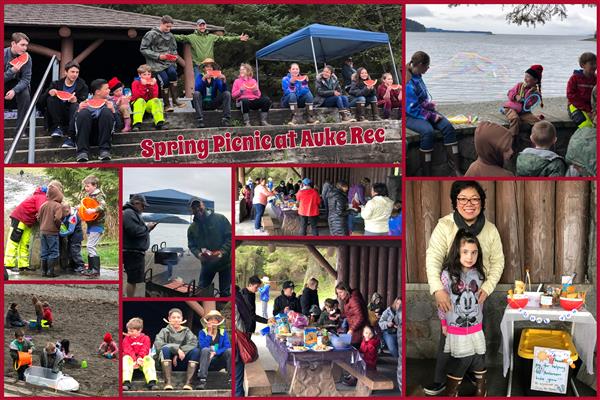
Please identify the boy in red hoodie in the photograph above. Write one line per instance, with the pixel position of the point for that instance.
(136, 354)
(579, 90)
(369, 347)
(144, 97)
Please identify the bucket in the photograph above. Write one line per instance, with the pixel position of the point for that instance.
(24, 359)
(86, 203)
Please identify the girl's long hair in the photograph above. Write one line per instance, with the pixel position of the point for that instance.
(452, 262)
(356, 76)
(418, 58)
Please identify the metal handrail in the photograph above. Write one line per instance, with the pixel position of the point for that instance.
(28, 114)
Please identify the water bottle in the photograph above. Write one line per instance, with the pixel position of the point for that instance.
(126, 92)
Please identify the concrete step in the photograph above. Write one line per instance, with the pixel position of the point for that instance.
(216, 386)
(126, 146)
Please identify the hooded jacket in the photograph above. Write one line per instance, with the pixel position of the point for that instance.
(183, 340)
(282, 301)
(301, 88)
(326, 88)
(369, 351)
(493, 144)
(136, 347)
(215, 87)
(154, 43)
(27, 210)
(337, 212)
(72, 223)
(540, 162)
(309, 298)
(376, 214)
(51, 215)
(136, 234)
(416, 94)
(579, 90)
(97, 225)
(23, 76)
(205, 340)
(355, 312)
(582, 150)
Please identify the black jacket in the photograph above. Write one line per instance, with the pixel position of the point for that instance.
(250, 300)
(337, 212)
(308, 299)
(81, 91)
(282, 301)
(136, 235)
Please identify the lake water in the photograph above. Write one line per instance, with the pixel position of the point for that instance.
(174, 234)
(477, 67)
(15, 191)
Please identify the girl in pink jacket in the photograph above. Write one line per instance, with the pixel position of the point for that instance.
(248, 97)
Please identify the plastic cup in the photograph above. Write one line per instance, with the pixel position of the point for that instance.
(84, 364)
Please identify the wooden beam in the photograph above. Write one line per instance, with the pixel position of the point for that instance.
(322, 261)
(188, 71)
(89, 50)
(296, 172)
(39, 49)
(198, 309)
(66, 49)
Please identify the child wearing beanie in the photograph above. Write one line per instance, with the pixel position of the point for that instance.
(520, 98)
(108, 348)
(121, 102)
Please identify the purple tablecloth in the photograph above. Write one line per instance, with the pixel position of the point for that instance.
(283, 356)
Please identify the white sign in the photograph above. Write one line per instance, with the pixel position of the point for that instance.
(550, 370)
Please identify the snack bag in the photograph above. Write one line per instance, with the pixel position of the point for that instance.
(310, 337)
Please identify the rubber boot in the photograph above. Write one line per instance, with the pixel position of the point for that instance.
(453, 159)
(44, 267)
(452, 386)
(246, 117)
(167, 371)
(263, 119)
(94, 267)
(425, 163)
(310, 114)
(295, 116)
(127, 126)
(175, 95)
(53, 264)
(189, 376)
(360, 112)
(166, 100)
(346, 116)
(375, 112)
(480, 383)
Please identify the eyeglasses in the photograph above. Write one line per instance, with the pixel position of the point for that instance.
(463, 200)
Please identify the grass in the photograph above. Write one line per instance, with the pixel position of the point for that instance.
(30, 171)
(108, 252)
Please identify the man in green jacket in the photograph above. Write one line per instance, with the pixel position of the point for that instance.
(203, 43)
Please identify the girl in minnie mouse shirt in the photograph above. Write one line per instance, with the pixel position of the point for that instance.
(462, 276)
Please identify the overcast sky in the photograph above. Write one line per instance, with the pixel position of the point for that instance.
(209, 183)
(488, 17)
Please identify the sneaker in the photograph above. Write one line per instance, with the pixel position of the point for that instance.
(135, 127)
(68, 144)
(152, 385)
(434, 388)
(160, 125)
(13, 271)
(126, 386)
(199, 123)
(225, 122)
(201, 385)
(57, 132)
(105, 155)
(83, 157)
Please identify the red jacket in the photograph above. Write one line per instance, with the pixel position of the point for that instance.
(138, 347)
(146, 92)
(309, 201)
(47, 315)
(579, 90)
(381, 89)
(369, 350)
(355, 311)
(28, 209)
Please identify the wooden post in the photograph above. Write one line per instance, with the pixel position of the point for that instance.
(382, 271)
(408, 209)
(427, 213)
(66, 51)
(364, 269)
(373, 258)
(539, 230)
(342, 264)
(393, 269)
(321, 260)
(354, 266)
(490, 200)
(201, 310)
(572, 211)
(507, 223)
(188, 71)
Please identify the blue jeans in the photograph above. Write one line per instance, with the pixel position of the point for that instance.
(259, 210)
(239, 375)
(167, 76)
(49, 247)
(293, 99)
(340, 102)
(391, 342)
(425, 130)
(207, 274)
(192, 355)
(363, 99)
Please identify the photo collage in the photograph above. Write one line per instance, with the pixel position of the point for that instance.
(299, 200)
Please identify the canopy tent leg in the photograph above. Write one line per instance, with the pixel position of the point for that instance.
(257, 82)
(312, 45)
(394, 64)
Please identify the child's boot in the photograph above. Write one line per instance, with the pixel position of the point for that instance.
(127, 126)
(480, 383)
(453, 159)
(452, 386)
(263, 119)
(53, 264)
(246, 117)
(44, 267)
(310, 114)
(295, 115)
(375, 112)
(126, 386)
(167, 371)
(189, 376)
(152, 385)
(425, 163)
(175, 95)
(166, 100)
(360, 112)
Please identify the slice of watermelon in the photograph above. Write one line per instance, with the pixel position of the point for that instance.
(215, 73)
(20, 61)
(395, 87)
(249, 85)
(170, 57)
(62, 95)
(370, 82)
(301, 78)
(96, 103)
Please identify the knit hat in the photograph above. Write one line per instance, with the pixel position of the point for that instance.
(535, 71)
(108, 337)
(114, 84)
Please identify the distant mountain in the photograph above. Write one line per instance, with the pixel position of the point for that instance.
(165, 219)
(414, 26)
(452, 31)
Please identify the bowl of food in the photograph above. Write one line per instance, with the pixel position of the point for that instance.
(571, 304)
(517, 300)
(341, 341)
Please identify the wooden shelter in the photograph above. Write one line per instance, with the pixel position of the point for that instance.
(103, 41)
(365, 265)
(545, 226)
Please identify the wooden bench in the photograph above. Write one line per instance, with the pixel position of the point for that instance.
(367, 383)
(271, 225)
(256, 382)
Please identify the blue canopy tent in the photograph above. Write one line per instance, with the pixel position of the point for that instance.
(169, 201)
(323, 43)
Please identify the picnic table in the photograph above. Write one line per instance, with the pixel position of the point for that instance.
(310, 372)
(583, 332)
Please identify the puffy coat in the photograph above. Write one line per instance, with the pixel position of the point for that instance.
(136, 235)
(540, 162)
(27, 210)
(326, 88)
(337, 213)
(358, 88)
(376, 214)
(355, 312)
(154, 43)
(238, 92)
(308, 299)
(282, 301)
(579, 90)
(369, 350)
(582, 150)
(299, 87)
